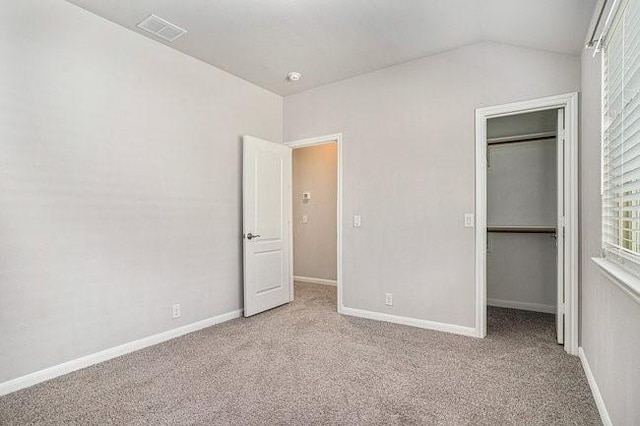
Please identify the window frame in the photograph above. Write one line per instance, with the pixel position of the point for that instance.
(621, 264)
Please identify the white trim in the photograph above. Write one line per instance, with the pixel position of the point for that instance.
(481, 224)
(413, 322)
(523, 306)
(627, 282)
(569, 102)
(337, 138)
(597, 396)
(313, 280)
(107, 354)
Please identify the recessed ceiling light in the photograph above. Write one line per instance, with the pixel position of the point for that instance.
(294, 76)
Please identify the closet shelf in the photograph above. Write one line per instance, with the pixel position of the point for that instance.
(521, 138)
(535, 229)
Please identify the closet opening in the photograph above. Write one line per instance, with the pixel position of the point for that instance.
(526, 225)
(525, 287)
(315, 221)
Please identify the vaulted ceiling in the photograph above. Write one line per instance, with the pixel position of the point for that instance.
(329, 40)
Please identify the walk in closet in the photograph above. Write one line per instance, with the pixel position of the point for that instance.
(522, 211)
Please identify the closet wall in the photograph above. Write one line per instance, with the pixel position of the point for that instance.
(521, 190)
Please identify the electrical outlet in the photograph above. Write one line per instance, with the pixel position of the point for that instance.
(175, 311)
(388, 299)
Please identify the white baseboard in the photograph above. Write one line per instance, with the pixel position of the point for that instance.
(524, 306)
(107, 354)
(312, 280)
(602, 409)
(414, 322)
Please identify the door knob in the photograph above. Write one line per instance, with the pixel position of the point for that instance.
(250, 236)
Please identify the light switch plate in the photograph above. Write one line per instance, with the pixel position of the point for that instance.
(305, 218)
(468, 220)
(356, 222)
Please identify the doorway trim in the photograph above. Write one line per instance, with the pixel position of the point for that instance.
(568, 101)
(321, 140)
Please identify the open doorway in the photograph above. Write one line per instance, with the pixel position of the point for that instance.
(316, 221)
(524, 278)
(526, 207)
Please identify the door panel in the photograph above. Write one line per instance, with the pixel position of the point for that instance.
(266, 217)
(560, 228)
(268, 203)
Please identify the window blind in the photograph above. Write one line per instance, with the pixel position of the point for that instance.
(621, 137)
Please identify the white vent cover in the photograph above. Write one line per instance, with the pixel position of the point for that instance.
(161, 28)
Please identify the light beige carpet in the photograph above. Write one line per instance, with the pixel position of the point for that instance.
(303, 364)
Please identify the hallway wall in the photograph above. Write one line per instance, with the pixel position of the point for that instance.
(315, 170)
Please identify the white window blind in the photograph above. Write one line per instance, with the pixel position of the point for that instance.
(621, 137)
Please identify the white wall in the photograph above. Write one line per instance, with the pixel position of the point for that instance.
(521, 191)
(522, 124)
(409, 168)
(521, 177)
(120, 191)
(315, 170)
(609, 319)
(521, 271)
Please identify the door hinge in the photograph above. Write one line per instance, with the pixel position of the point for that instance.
(561, 134)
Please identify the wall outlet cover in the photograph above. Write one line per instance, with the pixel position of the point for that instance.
(388, 299)
(175, 311)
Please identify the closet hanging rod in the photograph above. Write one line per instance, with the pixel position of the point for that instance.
(522, 138)
(523, 229)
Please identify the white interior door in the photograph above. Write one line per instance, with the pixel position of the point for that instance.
(266, 188)
(560, 227)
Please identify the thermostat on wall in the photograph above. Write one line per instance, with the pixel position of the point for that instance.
(306, 196)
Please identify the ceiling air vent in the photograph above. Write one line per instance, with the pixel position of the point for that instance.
(161, 28)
